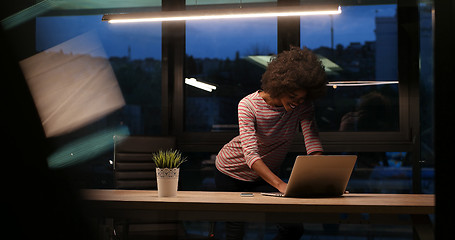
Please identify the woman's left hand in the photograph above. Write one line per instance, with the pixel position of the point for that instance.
(282, 187)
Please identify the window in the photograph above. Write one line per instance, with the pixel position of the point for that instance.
(360, 52)
(225, 55)
(134, 52)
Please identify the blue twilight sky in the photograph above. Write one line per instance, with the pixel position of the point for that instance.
(215, 38)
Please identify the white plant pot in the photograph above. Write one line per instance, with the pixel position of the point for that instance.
(167, 180)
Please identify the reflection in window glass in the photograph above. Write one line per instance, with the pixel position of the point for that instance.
(134, 52)
(198, 173)
(220, 53)
(359, 49)
(382, 172)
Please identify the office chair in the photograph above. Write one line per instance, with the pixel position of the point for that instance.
(133, 164)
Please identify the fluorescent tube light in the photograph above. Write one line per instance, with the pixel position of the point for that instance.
(207, 14)
(195, 83)
(358, 83)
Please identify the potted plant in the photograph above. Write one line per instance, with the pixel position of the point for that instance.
(167, 171)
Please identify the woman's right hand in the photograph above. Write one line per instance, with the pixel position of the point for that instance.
(282, 187)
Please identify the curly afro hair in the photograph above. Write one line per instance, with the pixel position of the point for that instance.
(294, 70)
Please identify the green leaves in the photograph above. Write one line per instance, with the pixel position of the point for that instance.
(168, 159)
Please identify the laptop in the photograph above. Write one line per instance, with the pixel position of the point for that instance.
(319, 176)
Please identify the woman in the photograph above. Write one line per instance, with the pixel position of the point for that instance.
(268, 121)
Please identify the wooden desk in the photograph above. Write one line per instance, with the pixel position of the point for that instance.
(230, 206)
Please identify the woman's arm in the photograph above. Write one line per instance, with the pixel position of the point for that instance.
(310, 133)
(264, 172)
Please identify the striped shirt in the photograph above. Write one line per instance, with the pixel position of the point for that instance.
(266, 132)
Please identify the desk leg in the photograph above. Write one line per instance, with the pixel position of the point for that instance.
(104, 229)
(423, 227)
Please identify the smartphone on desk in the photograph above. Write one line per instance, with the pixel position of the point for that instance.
(246, 194)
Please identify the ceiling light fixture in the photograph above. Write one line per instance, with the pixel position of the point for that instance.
(224, 13)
